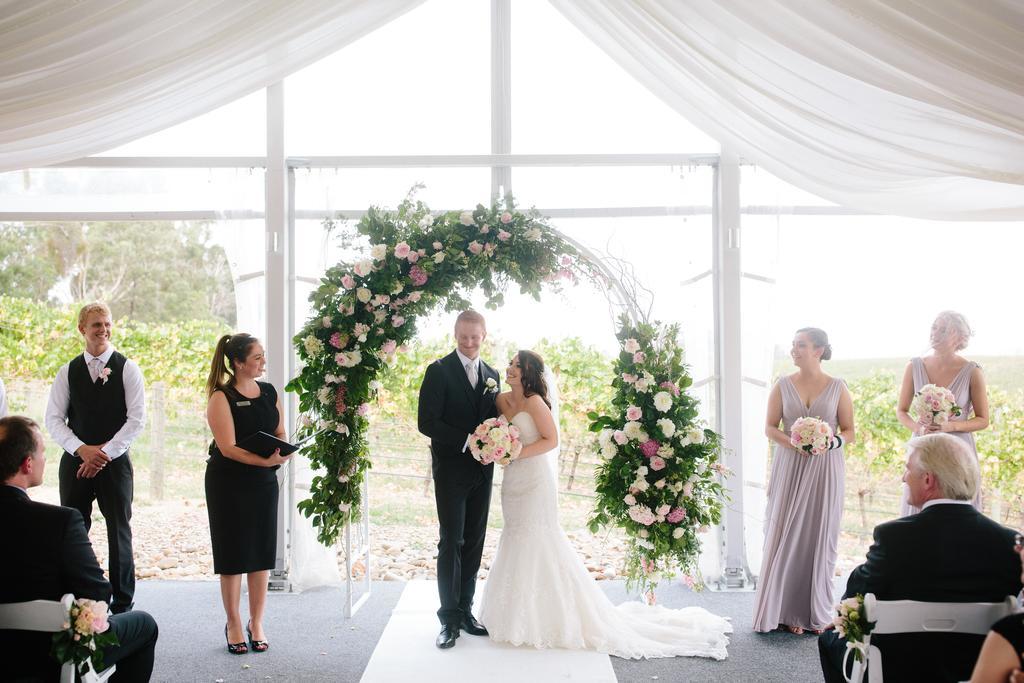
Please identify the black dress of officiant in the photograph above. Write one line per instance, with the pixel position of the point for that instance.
(241, 499)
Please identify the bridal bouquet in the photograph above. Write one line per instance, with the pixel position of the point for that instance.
(851, 623)
(495, 440)
(811, 435)
(85, 633)
(934, 405)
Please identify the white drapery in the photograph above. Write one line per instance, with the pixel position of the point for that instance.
(910, 107)
(79, 77)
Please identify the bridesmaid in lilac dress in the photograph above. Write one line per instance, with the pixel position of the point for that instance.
(805, 495)
(946, 368)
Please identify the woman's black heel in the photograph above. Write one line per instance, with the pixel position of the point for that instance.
(256, 645)
(235, 648)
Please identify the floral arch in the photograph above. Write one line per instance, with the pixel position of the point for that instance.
(659, 478)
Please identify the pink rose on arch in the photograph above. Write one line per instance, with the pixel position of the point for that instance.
(475, 247)
(566, 260)
(485, 229)
(363, 410)
(506, 218)
(418, 276)
(402, 250)
(657, 463)
(628, 378)
(489, 248)
(620, 437)
(347, 282)
(413, 256)
(633, 413)
(650, 448)
(415, 296)
(504, 236)
(336, 340)
(671, 387)
(389, 346)
(639, 357)
(398, 321)
(676, 515)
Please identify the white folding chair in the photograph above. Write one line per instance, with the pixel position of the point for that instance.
(911, 616)
(48, 616)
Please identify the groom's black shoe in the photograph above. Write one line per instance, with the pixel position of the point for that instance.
(446, 638)
(473, 627)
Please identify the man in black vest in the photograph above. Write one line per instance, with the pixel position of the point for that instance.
(458, 394)
(48, 554)
(97, 408)
(948, 552)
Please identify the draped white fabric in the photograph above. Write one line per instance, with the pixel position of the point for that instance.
(911, 107)
(82, 76)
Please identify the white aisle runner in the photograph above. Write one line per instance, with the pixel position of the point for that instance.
(406, 651)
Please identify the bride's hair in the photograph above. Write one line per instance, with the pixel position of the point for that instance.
(531, 375)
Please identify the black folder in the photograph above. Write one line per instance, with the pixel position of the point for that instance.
(265, 444)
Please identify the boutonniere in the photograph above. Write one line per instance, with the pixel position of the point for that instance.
(492, 386)
(105, 375)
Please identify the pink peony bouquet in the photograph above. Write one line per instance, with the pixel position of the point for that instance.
(811, 435)
(934, 405)
(85, 634)
(495, 440)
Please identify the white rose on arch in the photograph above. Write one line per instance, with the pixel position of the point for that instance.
(663, 401)
(363, 294)
(466, 218)
(668, 428)
(363, 268)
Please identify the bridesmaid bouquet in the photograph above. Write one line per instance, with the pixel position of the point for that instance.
(495, 440)
(85, 633)
(934, 405)
(811, 435)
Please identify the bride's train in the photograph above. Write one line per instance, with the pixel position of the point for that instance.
(539, 594)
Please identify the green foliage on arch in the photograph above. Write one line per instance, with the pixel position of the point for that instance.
(365, 311)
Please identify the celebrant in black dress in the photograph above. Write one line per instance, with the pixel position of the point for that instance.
(241, 486)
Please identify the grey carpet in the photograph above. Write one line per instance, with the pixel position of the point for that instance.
(310, 641)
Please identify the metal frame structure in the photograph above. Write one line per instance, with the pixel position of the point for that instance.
(280, 215)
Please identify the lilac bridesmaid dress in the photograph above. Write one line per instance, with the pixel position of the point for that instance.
(961, 388)
(805, 506)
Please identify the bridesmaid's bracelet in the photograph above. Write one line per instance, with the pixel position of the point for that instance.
(837, 442)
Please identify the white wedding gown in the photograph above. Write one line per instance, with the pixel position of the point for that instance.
(538, 592)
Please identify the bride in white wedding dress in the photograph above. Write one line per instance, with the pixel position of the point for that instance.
(538, 592)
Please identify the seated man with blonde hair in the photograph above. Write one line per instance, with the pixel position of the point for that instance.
(948, 552)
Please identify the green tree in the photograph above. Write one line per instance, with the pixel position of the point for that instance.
(26, 265)
(150, 271)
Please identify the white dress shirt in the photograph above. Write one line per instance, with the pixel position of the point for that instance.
(3, 400)
(134, 398)
(945, 501)
(475, 369)
(475, 362)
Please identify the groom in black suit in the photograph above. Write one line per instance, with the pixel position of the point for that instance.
(948, 552)
(458, 394)
(48, 554)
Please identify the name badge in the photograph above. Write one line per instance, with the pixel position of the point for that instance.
(243, 403)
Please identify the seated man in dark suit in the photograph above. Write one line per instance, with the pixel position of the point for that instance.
(948, 552)
(48, 554)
